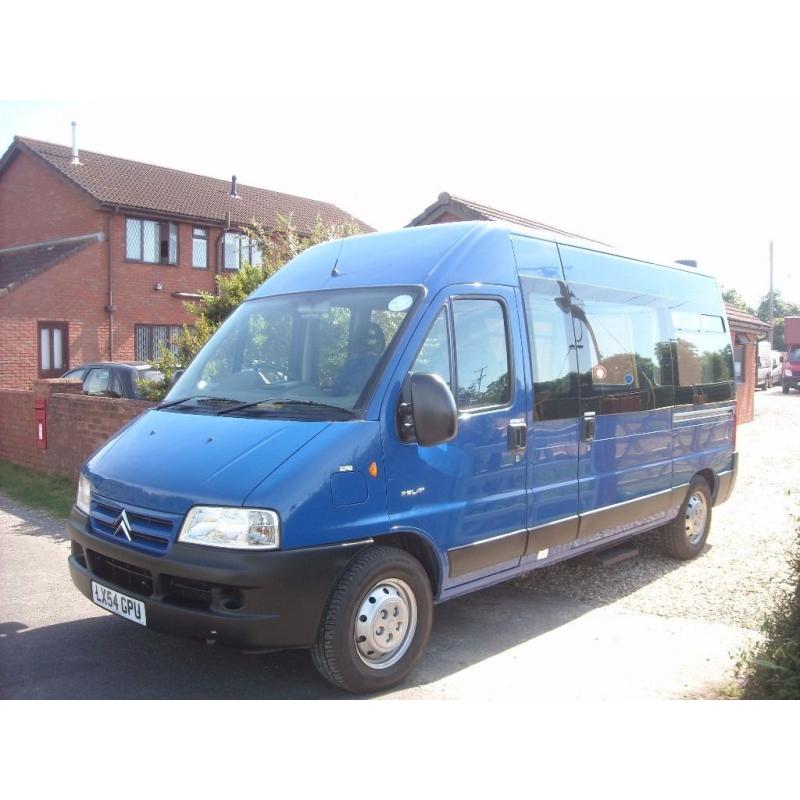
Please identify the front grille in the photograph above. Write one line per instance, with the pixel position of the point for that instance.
(118, 573)
(186, 592)
(149, 531)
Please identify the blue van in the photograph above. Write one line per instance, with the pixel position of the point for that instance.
(397, 419)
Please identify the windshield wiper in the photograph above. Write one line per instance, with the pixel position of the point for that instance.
(287, 401)
(197, 397)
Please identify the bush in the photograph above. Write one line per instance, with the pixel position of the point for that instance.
(771, 670)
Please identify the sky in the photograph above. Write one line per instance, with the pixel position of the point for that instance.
(711, 181)
(670, 136)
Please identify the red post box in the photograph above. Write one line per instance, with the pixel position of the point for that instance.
(40, 420)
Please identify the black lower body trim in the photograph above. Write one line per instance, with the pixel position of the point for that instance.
(250, 601)
(629, 514)
(481, 555)
(552, 534)
(726, 481)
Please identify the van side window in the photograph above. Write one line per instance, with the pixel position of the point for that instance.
(623, 350)
(552, 348)
(434, 355)
(482, 362)
(703, 358)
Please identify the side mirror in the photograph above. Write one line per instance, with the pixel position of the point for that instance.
(175, 376)
(434, 408)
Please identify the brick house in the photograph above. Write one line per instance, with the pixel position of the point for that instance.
(97, 257)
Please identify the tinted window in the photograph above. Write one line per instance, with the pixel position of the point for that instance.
(703, 359)
(434, 355)
(623, 350)
(482, 366)
(552, 346)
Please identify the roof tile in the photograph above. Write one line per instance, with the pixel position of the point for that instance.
(136, 185)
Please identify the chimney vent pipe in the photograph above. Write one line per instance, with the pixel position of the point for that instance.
(75, 159)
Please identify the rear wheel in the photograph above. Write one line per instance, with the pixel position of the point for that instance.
(685, 537)
(376, 623)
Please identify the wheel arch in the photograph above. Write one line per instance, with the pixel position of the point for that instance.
(711, 479)
(419, 546)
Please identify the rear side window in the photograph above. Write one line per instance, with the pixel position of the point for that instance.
(703, 358)
(482, 361)
(552, 347)
(623, 350)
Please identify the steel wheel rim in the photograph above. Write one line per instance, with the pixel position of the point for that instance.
(385, 622)
(696, 517)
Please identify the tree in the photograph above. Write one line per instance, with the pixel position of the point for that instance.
(732, 297)
(782, 308)
(278, 245)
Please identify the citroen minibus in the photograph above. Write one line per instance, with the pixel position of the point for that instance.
(397, 419)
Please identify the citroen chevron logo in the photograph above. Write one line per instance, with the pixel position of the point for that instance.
(122, 527)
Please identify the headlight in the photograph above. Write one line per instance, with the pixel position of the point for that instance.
(84, 498)
(241, 528)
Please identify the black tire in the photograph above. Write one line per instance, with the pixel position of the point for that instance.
(680, 538)
(785, 388)
(336, 654)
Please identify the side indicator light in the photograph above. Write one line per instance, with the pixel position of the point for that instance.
(373, 470)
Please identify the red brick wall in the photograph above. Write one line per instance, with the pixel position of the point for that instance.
(37, 205)
(135, 297)
(72, 291)
(76, 425)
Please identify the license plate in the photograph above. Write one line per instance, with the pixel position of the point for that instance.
(119, 604)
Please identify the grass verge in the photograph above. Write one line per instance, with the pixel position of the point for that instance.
(55, 495)
(771, 670)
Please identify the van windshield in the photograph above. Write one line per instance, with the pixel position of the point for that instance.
(297, 354)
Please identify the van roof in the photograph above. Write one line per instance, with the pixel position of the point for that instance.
(433, 255)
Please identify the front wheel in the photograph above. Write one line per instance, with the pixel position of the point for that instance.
(686, 535)
(376, 623)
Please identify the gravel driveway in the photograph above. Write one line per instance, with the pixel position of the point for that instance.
(744, 563)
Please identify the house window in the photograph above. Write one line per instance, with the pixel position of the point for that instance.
(150, 241)
(151, 338)
(240, 249)
(53, 349)
(200, 247)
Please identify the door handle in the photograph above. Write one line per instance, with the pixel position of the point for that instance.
(589, 425)
(517, 434)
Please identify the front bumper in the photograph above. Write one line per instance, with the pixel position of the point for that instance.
(251, 601)
(726, 481)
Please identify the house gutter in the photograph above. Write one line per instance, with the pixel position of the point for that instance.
(110, 308)
(220, 251)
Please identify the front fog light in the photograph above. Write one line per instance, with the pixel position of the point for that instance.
(84, 499)
(242, 528)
